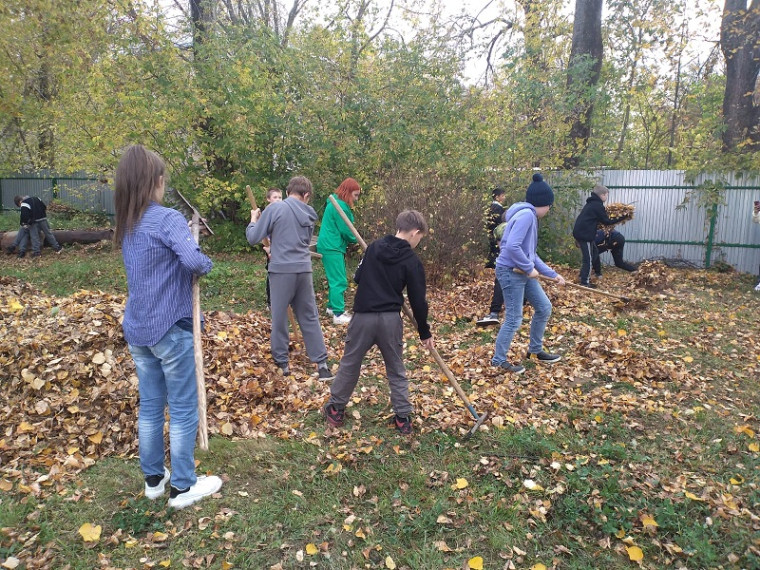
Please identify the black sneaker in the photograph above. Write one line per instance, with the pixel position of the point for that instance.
(625, 266)
(402, 425)
(333, 416)
(285, 369)
(10, 250)
(36, 254)
(324, 373)
(21, 254)
(544, 357)
(513, 368)
(588, 285)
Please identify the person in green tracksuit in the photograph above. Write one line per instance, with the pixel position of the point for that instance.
(334, 237)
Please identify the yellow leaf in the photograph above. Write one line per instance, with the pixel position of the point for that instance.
(426, 368)
(165, 563)
(96, 438)
(688, 359)
(159, 536)
(221, 335)
(442, 546)
(462, 483)
(475, 563)
(635, 553)
(738, 480)
(622, 332)
(754, 446)
(648, 521)
(227, 428)
(15, 306)
(131, 543)
(360, 534)
(728, 500)
(538, 566)
(311, 549)
(389, 563)
(620, 533)
(598, 419)
(692, 496)
(89, 532)
(25, 426)
(745, 429)
(227, 565)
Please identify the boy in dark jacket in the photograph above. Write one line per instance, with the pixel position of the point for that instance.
(584, 230)
(389, 265)
(495, 217)
(33, 217)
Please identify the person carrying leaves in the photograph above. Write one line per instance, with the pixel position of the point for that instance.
(160, 257)
(584, 230)
(334, 237)
(389, 266)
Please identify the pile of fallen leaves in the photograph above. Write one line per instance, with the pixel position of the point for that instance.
(653, 276)
(70, 390)
(617, 210)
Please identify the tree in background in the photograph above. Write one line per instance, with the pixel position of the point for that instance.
(583, 72)
(740, 43)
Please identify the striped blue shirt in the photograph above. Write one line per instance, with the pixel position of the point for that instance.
(160, 257)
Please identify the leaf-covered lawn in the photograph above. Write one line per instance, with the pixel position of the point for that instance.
(639, 447)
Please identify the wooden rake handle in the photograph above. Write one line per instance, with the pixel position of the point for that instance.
(577, 286)
(198, 350)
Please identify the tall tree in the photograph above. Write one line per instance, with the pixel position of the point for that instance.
(740, 43)
(583, 75)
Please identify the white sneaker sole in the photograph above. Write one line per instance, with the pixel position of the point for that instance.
(210, 485)
(153, 493)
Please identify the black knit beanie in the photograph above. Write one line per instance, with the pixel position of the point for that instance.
(539, 193)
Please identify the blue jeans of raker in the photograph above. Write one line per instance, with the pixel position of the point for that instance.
(516, 287)
(166, 374)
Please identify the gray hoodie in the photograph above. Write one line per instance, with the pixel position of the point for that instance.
(290, 225)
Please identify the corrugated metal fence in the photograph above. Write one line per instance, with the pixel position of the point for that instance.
(81, 192)
(667, 225)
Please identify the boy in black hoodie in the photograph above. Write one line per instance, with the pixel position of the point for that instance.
(389, 265)
(584, 230)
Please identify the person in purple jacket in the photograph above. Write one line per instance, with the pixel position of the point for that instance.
(160, 257)
(517, 269)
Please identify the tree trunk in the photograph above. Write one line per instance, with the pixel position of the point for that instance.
(63, 236)
(583, 75)
(739, 32)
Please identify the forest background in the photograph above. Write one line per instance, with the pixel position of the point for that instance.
(236, 93)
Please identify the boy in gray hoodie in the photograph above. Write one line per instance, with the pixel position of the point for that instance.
(290, 225)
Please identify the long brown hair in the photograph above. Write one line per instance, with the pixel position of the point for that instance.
(346, 189)
(137, 177)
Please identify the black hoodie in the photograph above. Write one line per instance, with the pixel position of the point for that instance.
(592, 214)
(390, 265)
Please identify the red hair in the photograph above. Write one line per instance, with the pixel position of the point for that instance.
(346, 189)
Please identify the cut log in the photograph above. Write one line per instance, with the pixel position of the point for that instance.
(63, 237)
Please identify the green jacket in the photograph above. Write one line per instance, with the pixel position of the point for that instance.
(334, 234)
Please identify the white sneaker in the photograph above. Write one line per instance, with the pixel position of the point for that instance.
(342, 319)
(203, 487)
(329, 312)
(157, 489)
(757, 287)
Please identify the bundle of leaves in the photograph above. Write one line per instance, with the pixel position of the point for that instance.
(617, 210)
(653, 276)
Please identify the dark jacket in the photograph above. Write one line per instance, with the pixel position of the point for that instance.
(390, 265)
(495, 217)
(32, 210)
(592, 214)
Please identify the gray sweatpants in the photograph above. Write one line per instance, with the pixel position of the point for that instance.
(296, 290)
(364, 331)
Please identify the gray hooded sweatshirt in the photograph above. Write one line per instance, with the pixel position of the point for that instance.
(290, 225)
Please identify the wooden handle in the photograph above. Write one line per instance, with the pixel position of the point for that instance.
(348, 222)
(251, 199)
(577, 286)
(198, 349)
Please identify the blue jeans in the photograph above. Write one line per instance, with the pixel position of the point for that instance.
(516, 287)
(166, 372)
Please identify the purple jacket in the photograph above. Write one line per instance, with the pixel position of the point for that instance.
(520, 239)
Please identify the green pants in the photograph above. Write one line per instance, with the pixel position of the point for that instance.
(337, 283)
